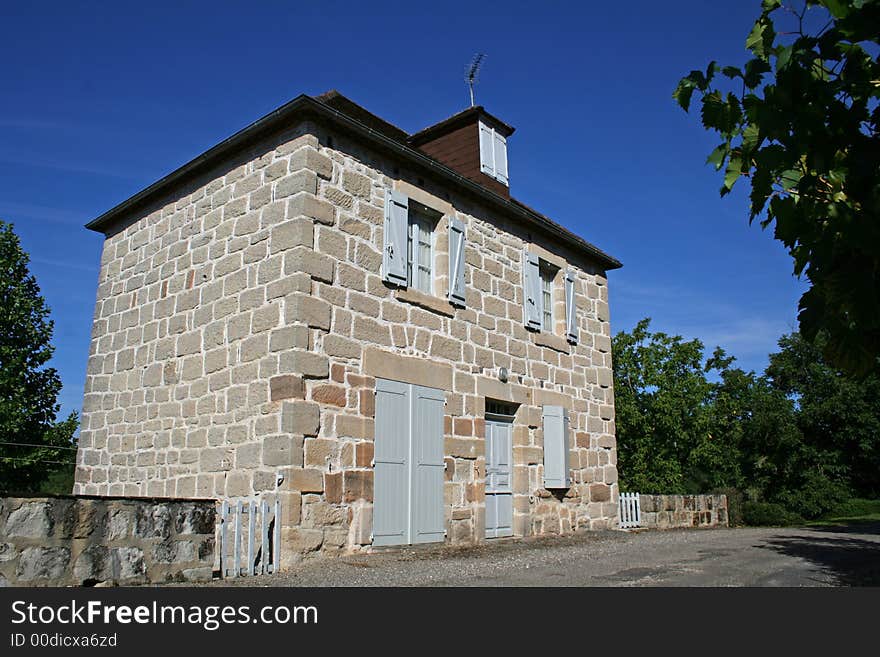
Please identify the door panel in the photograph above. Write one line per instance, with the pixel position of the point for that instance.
(427, 440)
(391, 485)
(499, 498)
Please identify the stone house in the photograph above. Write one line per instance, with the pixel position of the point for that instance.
(368, 314)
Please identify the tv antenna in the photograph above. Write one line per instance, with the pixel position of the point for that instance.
(473, 73)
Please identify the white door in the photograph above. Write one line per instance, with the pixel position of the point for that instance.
(499, 495)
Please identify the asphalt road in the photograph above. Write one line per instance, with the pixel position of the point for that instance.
(708, 557)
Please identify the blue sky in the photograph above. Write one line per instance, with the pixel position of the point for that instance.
(99, 103)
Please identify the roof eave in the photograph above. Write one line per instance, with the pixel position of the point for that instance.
(301, 103)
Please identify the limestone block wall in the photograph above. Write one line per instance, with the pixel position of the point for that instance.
(62, 541)
(675, 511)
(241, 323)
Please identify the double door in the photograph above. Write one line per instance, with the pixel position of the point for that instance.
(408, 457)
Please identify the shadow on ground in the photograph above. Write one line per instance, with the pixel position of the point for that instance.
(851, 561)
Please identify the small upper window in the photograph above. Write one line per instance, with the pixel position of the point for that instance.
(547, 277)
(420, 252)
(493, 153)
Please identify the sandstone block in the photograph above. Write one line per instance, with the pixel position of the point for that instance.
(307, 205)
(300, 181)
(307, 480)
(286, 386)
(309, 158)
(306, 309)
(305, 259)
(295, 232)
(357, 485)
(305, 363)
(301, 417)
(333, 487)
(329, 394)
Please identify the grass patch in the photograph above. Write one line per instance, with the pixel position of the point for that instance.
(851, 511)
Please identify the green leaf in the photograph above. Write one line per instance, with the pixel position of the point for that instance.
(717, 156)
(761, 37)
(683, 93)
(783, 56)
(751, 136)
(732, 72)
(769, 5)
(732, 174)
(838, 8)
(789, 179)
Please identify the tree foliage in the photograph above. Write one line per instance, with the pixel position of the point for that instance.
(803, 435)
(28, 388)
(801, 120)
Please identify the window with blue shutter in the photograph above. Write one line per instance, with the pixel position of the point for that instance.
(456, 262)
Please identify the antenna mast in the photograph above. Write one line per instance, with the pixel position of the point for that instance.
(472, 75)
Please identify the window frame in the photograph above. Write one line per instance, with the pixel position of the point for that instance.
(547, 275)
(421, 218)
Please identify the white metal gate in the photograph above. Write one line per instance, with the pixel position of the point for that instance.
(630, 511)
(250, 536)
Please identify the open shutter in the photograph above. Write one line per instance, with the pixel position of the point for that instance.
(487, 150)
(456, 262)
(427, 448)
(394, 251)
(556, 447)
(500, 158)
(532, 298)
(571, 322)
(392, 463)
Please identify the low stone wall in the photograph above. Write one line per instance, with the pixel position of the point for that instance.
(78, 540)
(671, 511)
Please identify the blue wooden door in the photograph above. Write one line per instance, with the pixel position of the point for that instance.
(499, 494)
(408, 487)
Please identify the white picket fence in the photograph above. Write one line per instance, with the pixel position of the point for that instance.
(630, 511)
(250, 536)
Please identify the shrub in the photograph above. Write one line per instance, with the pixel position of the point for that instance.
(767, 514)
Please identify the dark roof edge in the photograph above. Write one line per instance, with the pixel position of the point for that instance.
(463, 117)
(303, 102)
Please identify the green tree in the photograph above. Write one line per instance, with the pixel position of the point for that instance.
(839, 417)
(803, 435)
(801, 120)
(660, 397)
(28, 389)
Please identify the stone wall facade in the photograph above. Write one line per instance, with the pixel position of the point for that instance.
(241, 323)
(682, 511)
(62, 541)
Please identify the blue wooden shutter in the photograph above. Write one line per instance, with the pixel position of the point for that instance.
(571, 321)
(394, 253)
(500, 158)
(533, 300)
(456, 262)
(427, 448)
(392, 463)
(556, 446)
(487, 150)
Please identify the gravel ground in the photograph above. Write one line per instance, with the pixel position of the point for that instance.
(707, 557)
